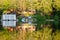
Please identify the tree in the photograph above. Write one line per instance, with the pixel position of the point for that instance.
(56, 4)
(5, 4)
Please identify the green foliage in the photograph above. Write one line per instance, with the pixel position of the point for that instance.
(5, 35)
(56, 4)
(43, 34)
(5, 4)
(57, 35)
(43, 5)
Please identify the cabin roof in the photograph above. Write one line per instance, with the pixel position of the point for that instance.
(9, 20)
(9, 17)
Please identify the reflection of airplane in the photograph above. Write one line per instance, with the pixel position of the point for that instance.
(50, 20)
(28, 20)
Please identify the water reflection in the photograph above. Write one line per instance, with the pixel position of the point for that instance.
(35, 21)
(40, 19)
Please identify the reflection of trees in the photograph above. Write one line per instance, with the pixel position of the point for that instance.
(41, 20)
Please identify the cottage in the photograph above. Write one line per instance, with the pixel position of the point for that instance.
(9, 20)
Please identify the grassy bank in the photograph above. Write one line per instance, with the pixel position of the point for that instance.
(43, 34)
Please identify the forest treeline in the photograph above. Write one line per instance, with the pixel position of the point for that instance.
(46, 6)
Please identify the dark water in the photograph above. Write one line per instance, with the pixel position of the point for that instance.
(38, 19)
